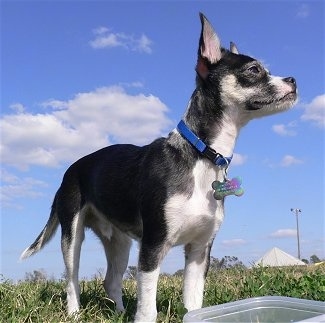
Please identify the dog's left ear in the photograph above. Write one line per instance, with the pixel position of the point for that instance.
(209, 48)
(233, 48)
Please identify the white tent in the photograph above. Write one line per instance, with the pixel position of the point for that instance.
(276, 258)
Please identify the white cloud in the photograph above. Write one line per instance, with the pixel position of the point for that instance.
(238, 159)
(315, 111)
(289, 160)
(136, 84)
(14, 187)
(104, 38)
(285, 129)
(283, 233)
(70, 129)
(143, 44)
(233, 242)
(286, 161)
(17, 107)
(303, 11)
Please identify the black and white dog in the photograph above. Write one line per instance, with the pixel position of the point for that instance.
(161, 194)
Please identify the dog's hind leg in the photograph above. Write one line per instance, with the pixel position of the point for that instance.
(117, 250)
(197, 258)
(71, 240)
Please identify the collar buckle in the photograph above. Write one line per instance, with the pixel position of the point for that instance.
(211, 154)
(216, 158)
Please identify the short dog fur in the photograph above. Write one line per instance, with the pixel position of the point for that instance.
(160, 194)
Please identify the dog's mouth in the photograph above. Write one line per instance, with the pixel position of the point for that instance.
(260, 104)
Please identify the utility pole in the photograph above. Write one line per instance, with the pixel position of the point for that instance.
(297, 211)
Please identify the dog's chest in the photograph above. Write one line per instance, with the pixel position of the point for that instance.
(196, 217)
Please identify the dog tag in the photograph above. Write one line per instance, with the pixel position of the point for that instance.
(228, 187)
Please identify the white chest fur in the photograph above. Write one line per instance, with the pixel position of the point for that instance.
(198, 217)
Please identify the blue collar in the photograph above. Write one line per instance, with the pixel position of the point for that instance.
(205, 150)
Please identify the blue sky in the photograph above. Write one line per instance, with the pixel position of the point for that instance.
(77, 76)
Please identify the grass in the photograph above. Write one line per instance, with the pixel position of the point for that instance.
(45, 302)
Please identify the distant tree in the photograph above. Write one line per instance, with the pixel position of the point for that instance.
(225, 262)
(179, 272)
(99, 275)
(314, 259)
(305, 261)
(36, 276)
(131, 272)
(216, 264)
(64, 276)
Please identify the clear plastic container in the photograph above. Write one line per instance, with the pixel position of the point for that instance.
(261, 309)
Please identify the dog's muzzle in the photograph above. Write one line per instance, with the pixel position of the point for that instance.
(289, 95)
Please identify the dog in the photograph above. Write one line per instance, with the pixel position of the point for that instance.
(161, 194)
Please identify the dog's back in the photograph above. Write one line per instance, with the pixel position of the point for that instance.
(106, 180)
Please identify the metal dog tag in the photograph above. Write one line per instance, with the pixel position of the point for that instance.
(227, 187)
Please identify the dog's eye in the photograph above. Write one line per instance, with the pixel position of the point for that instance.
(254, 69)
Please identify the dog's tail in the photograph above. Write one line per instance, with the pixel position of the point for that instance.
(46, 234)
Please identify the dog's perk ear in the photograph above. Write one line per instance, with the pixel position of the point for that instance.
(209, 47)
(233, 48)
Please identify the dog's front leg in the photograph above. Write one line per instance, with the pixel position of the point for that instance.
(196, 266)
(147, 292)
(151, 254)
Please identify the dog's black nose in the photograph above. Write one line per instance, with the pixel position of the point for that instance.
(290, 80)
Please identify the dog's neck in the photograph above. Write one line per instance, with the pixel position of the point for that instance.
(220, 133)
(224, 138)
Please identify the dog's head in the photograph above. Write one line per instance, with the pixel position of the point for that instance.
(239, 83)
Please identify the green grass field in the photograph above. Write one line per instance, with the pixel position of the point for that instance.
(45, 301)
